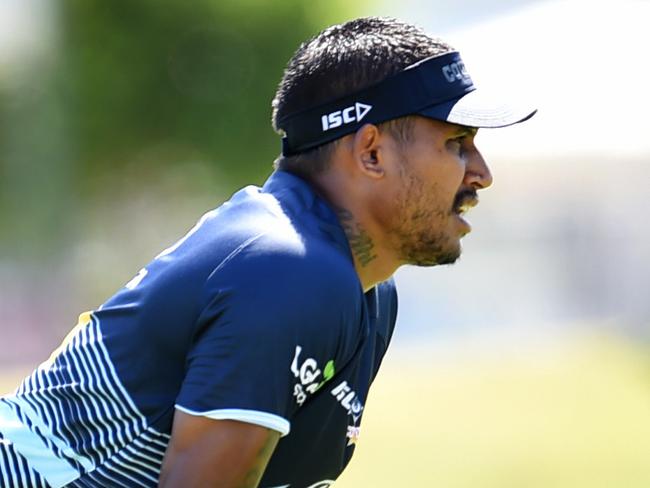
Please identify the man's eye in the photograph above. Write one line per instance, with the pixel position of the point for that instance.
(456, 144)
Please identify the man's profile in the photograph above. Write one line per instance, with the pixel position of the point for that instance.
(243, 354)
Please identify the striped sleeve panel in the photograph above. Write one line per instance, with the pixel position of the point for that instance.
(15, 470)
(74, 422)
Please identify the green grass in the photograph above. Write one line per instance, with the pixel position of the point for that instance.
(577, 416)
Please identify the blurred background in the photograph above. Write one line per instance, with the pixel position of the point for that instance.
(525, 364)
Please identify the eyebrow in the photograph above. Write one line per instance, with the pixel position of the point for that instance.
(464, 130)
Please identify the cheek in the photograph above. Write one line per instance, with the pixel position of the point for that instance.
(437, 193)
(386, 205)
(422, 204)
(442, 173)
(422, 190)
(449, 182)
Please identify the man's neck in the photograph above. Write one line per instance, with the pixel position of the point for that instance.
(370, 261)
(373, 260)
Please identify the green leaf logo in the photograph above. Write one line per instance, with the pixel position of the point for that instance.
(328, 373)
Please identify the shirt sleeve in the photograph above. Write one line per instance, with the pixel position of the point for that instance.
(277, 325)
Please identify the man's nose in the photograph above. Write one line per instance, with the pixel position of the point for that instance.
(477, 172)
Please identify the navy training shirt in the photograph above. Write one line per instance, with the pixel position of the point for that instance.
(256, 315)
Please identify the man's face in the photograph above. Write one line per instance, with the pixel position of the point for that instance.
(439, 172)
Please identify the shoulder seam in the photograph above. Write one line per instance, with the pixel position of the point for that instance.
(234, 253)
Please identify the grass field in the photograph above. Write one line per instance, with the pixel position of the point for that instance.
(570, 416)
(573, 416)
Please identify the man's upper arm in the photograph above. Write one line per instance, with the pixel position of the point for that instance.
(216, 453)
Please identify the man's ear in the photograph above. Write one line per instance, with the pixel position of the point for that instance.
(366, 145)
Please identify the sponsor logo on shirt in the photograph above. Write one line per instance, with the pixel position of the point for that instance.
(309, 375)
(349, 400)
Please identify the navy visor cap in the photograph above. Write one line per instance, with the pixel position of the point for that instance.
(438, 87)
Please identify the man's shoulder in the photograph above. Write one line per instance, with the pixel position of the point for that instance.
(289, 261)
(285, 236)
(276, 285)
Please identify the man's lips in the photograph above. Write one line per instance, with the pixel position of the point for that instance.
(464, 201)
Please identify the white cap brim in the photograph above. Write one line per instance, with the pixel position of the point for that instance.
(480, 108)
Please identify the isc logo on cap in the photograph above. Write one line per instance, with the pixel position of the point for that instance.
(351, 114)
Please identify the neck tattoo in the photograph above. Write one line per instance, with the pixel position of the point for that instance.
(360, 242)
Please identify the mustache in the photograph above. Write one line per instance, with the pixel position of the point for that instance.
(468, 194)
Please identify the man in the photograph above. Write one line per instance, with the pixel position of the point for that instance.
(243, 354)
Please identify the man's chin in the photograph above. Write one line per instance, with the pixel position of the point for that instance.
(437, 257)
(440, 261)
(449, 258)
